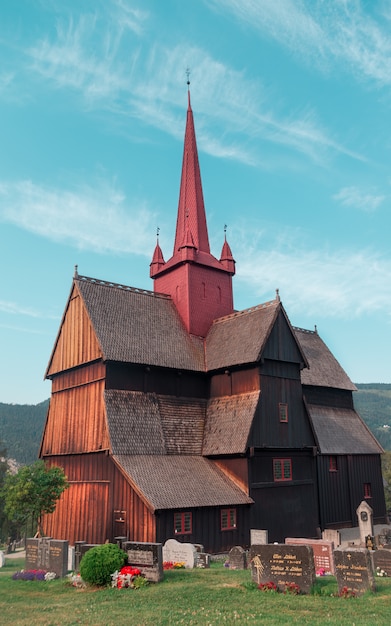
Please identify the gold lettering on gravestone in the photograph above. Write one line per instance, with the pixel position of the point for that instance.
(289, 564)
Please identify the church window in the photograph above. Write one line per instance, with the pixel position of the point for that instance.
(283, 411)
(282, 469)
(333, 465)
(367, 490)
(228, 519)
(183, 523)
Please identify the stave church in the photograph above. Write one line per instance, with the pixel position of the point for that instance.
(176, 416)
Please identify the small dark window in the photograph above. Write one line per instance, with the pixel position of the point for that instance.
(282, 469)
(228, 519)
(333, 465)
(367, 490)
(283, 411)
(183, 523)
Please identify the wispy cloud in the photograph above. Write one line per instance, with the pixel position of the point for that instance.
(133, 77)
(13, 308)
(359, 199)
(346, 32)
(97, 219)
(311, 280)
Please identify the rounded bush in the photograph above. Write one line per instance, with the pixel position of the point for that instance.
(100, 562)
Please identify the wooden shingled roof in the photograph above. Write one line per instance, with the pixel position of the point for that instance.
(189, 481)
(240, 337)
(341, 431)
(228, 423)
(148, 423)
(324, 369)
(136, 326)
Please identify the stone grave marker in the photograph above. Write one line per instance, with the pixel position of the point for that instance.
(2, 558)
(203, 560)
(58, 557)
(178, 552)
(259, 537)
(365, 521)
(120, 541)
(71, 559)
(78, 554)
(384, 537)
(353, 570)
(147, 557)
(48, 554)
(237, 558)
(323, 552)
(330, 534)
(381, 560)
(282, 565)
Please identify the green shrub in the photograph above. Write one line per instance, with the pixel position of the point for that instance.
(100, 562)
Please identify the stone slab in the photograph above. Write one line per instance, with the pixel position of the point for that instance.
(259, 537)
(147, 557)
(176, 552)
(354, 570)
(237, 558)
(381, 560)
(282, 565)
(323, 552)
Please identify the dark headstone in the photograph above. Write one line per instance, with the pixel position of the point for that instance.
(147, 557)
(47, 554)
(237, 558)
(203, 560)
(381, 560)
(283, 565)
(323, 552)
(384, 537)
(353, 570)
(58, 557)
(78, 554)
(31, 554)
(84, 547)
(120, 541)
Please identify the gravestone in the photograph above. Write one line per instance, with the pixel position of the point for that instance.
(353, 570)
(47, 554)
(384, 537)
(259, 537)
(365, 521)
(120, 541)
(2, 558)
(381, 560)
(323, 552)
(237, 558)
(78, 554)
(71, 559)
(203, 560)
(330, 534)
(282, 565)
(147, 557)
(176, 552)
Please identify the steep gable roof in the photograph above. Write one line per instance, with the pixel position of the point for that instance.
(324, 369)
(138, 326)
(341, 431)
(228, 423)
(189, 481)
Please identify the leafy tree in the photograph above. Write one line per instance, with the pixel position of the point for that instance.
(3, 472)
(30, 493)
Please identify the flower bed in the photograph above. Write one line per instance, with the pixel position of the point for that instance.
(34, 574)
(128, 578)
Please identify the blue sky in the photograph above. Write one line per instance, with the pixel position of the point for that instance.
(292, 104)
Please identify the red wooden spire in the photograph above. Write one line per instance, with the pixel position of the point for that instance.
(199, 284)
(191, 210)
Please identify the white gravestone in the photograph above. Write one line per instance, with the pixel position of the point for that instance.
(176, 552)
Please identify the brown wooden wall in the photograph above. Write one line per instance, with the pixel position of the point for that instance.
(76, 343)
(88, 509)
(233, 382)
(76, 420)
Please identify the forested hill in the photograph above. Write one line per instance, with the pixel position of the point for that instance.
(373, 403)
(21, 425)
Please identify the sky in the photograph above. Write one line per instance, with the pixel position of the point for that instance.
(292, 110)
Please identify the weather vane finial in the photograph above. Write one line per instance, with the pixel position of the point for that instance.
(188, 76)
(157, 232)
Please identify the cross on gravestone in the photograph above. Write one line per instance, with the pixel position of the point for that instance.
(43, 553)
(353, 570)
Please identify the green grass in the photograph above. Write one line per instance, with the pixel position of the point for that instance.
(214, 596)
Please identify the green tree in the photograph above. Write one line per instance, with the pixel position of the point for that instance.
(3, 473)
(31, 493)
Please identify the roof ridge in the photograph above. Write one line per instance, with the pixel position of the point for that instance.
(251, 309)
(305, 330)
(98, 281)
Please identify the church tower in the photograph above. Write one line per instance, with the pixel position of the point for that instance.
(199, 284)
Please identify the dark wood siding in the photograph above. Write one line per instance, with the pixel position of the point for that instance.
(267, 430)
(206, 526)
(329, 397)
(288, 507)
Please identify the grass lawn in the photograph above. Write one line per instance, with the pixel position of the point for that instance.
(212, 596)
